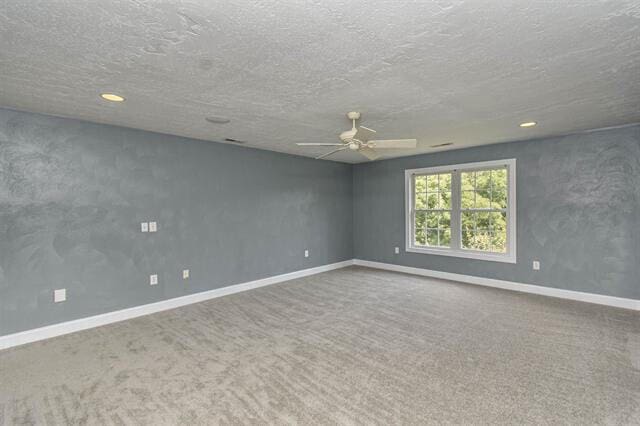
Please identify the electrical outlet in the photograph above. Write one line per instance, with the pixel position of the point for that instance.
(153, 226)
(153, 279)
(306, 253)
(397, 250)
(536, 265)
(144, 227)
(185, 274)
(60, 295)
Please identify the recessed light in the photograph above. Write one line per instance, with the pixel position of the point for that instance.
(217, 120)
(111, 97)
(441, 144)
(528, 124)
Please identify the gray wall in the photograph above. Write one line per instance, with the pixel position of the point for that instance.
(73, 194)
(578, 200)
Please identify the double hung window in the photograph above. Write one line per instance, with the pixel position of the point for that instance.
(464, 210)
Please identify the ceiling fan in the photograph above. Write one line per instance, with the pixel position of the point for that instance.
(360, 139)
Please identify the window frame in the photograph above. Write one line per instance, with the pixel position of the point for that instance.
(456, 249)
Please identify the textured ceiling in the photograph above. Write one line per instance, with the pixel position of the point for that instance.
(287, 71)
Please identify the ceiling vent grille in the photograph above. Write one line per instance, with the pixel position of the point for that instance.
(217, 120)
(234, 141)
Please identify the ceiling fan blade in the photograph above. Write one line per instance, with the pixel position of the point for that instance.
(318, 144)
(331, 152)
(369, 153)
(364, 134)
(394, 143)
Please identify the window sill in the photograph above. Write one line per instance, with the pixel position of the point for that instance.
(466, 254)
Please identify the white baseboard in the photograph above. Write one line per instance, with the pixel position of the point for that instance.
(49, 331)
(59, 329)
(618, 302)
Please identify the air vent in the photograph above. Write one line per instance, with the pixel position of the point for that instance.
(234, 141)
(442, 144)
(217, 120)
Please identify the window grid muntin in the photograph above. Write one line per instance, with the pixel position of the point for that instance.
(508, 212)
(490, 231)
(440, 231)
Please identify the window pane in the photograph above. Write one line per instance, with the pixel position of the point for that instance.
(483, 200)
(499, 188)
(420, 220)
(468, 181)
(468, 220)
(445, 190)
(420, 192)
(482, 220)
(499, 241)
(483, 180)
(432, 201)
(468, 199)
(445, 200)
(444, 227)
(499, 199)
(445, 182)
(498, 221)
(499, 179)
(432, 183)
(467, 238)
(482, 240)
(445, 237)
(484, 231)
(420, 237)
(445, 220)
(432, 220)
(432, 237)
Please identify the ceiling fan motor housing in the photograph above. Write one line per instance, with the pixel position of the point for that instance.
(347, 135)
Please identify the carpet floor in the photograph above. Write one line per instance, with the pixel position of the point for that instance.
(351, 346)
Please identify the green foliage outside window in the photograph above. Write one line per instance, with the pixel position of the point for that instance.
(483, 203)
(433, 210)
(483, 206)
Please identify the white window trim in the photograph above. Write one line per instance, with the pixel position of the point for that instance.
(508, 257)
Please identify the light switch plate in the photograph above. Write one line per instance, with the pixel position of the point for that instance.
(60, 295)
(153, 226)
(144, 227)
(153, 279)
(185, 274)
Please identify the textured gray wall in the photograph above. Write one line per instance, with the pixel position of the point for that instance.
(73, 194)
(578, 200)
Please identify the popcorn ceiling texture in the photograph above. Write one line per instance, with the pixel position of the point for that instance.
(286, 71)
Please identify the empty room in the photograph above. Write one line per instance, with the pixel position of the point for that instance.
(319, 212)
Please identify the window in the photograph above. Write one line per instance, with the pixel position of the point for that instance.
(466, 210)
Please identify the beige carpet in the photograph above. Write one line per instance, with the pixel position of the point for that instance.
(352, 346)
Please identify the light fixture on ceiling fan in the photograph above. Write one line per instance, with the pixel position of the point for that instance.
(360, 139)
